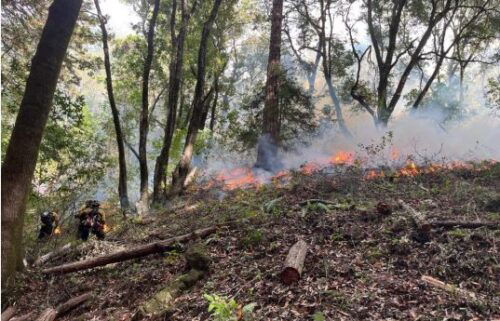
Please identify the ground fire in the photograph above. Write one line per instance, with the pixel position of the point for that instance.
(246, 177)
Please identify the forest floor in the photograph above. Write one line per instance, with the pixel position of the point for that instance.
(365, 261)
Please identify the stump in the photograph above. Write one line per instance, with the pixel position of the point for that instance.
(294, 263)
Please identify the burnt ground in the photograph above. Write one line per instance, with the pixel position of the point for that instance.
(364, 263)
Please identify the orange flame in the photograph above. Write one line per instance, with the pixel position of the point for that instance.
(309, 168)
(410, 169)
(373, 174)
(394, 153)
(342, 158)
(106, 228)
(237, 177)
(57, 231)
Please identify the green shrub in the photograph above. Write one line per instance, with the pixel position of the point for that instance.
(223, 309)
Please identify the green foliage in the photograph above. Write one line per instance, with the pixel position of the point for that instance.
(296, 114)
(73, 155)
(493, 94)
(223, 309)
(272, 207)
(314, 207)
(253, 238)
(318, 316)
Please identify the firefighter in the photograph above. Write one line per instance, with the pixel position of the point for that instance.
(91, 220)
(49, 224)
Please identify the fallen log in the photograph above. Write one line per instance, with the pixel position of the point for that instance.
(449, 288)
(44, 258)
(136, 252)
(294, 263)
(50, 314)
(8, 313)
(418, 218)
(468, 225)
(162, 302)
(24, 317)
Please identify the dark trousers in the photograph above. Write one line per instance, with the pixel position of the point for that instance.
(85, 230)
(45, 231)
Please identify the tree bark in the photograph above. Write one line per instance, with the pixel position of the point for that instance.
(51, 314)
(24, 317)
(181, 171)
(267, 149)
(294, 263)
(122, 179)
(338, 109)
(144, 121)
(175, 81)
(418, 218)
(44, 258)
(8, 313)
(449, 288)
(48, 314)
(124, 255)
(22, 153)
(214, 106)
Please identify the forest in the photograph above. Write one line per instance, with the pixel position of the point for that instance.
(237, 160)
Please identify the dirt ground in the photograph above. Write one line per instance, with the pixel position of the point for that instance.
(365, 261)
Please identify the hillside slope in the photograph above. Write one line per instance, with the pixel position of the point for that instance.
(365, 262)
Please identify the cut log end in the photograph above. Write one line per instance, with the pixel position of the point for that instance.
(294, 263)
(290, 275)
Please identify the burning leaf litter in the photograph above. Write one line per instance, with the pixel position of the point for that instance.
(246, 177)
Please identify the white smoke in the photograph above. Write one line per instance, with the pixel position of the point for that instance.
(420, 137)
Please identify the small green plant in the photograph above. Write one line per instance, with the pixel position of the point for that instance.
(314, 207)
(253, 237)
(223, 309)
(318, 316)
(458, 233)
(272, 207)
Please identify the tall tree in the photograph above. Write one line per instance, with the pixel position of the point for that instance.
(144, 118)
(328, 50)
(122, 180)
(174, 85)
(21, 156)
(267, 150)
(471, 27)
(181, 171)
(394, 40)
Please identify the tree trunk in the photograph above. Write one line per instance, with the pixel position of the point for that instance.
(461, 85)
(207, 101)
(428, 84)
(383, 113)
(175, 81)
(136, 252)
(214, 106)
(144, 122)
(122, 180)
(22, 153)
(294, 263)
(338, 109)
(181, 171)
(267, 149)
(311, 79)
